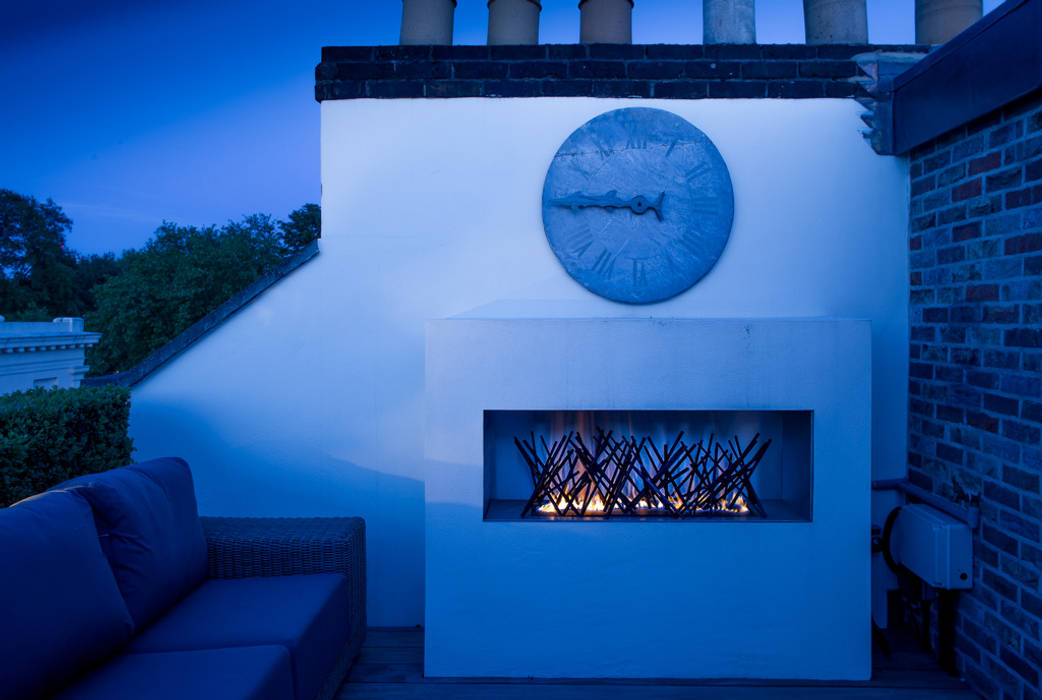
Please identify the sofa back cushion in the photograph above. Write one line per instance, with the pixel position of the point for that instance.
(150, 531)
(60, 609)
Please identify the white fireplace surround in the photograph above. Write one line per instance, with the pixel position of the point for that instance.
(707, 599)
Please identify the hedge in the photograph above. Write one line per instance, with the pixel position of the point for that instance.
(50, 435)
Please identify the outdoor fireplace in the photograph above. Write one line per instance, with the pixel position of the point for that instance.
(673, 465)
(528, 412)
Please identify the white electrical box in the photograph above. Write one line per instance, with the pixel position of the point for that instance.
(934, 546)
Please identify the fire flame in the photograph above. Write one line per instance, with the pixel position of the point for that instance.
(597, 506)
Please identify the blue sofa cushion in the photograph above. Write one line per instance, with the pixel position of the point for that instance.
(150, 532)
(307, 614)
(244, 673)
(60, 609)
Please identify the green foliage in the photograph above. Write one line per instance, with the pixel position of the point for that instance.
(304, 226)
(145, 298)
(180, 275)
(50, 435)
(36, 270)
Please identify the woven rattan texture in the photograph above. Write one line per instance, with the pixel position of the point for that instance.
(240, 547)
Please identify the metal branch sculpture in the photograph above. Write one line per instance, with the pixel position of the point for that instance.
(628, 477)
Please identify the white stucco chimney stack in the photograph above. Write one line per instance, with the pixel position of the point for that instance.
(835, 21)
(606, 21)
(427, 21)
(729, 22)
(937, 21)
(513, 21)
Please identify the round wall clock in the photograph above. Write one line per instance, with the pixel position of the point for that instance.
(637, 205)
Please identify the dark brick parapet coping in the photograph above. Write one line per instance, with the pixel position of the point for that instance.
(593, 70)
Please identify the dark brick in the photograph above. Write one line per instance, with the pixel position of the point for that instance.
(1003, 134)
(1023, 338)
(516, 52)
(951, 174)
(982, 421)
(787, 89)
(946, 256)
(768, 69)
(347, 53)
(923, 333)
(951, 215)
(1018, 478)
(597, 69)
(967, 190)
(1004, 180)
(965, 314)
(1000, 314)
(1001, 585)
(1022, 290)
(675, 51)
(1000, 447)
(792, 51)
(401, 53)
(982, 206)
(711, 69)
(426, 70)
(1031, 411)
(1018, 198)
(984, 380)
(923, 222)
(985, 163)
(949, 453)
(937, 161)
(627, 51)
(964, 232)
(394, 88)
(828, 69)
(538, 69)
(968, 147)
(919, 187)
(460, 52)
(732, 51)
(1000, 404)
(840, 88)
(1001, 358)
(513, 88)
(621, 88)
(364, 71)
(1018, 525)
(1027, 243)
(655, 69)
(1020, 432)
(982, 292)
(564, 88)
(1022, 385)
(479, 70)
(947, 373)
(999, 539)
(1012, 613)
(681, 89)
(937, 314)
(1033, 170)
(570, 51)
(732, 89)
(454, 88)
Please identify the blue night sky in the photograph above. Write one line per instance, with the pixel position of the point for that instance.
(129, 113)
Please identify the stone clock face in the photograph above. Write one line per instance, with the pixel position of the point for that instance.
(637, 205)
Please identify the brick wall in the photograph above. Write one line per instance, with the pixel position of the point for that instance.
(975, 405)
(594, 70)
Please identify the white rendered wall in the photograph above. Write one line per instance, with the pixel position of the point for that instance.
(667, 599)
(310, 400)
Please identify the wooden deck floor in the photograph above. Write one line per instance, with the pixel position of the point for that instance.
(390, 667)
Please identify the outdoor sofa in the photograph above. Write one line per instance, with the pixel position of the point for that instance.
(114, 587)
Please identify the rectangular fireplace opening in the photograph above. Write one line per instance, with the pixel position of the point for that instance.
(549, 465)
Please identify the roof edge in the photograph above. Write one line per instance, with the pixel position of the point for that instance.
(207, 323)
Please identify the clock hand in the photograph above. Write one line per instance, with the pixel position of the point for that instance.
(611, 200)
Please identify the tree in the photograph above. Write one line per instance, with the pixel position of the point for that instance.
(36, 270)
(304, 226)
(180, 275)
